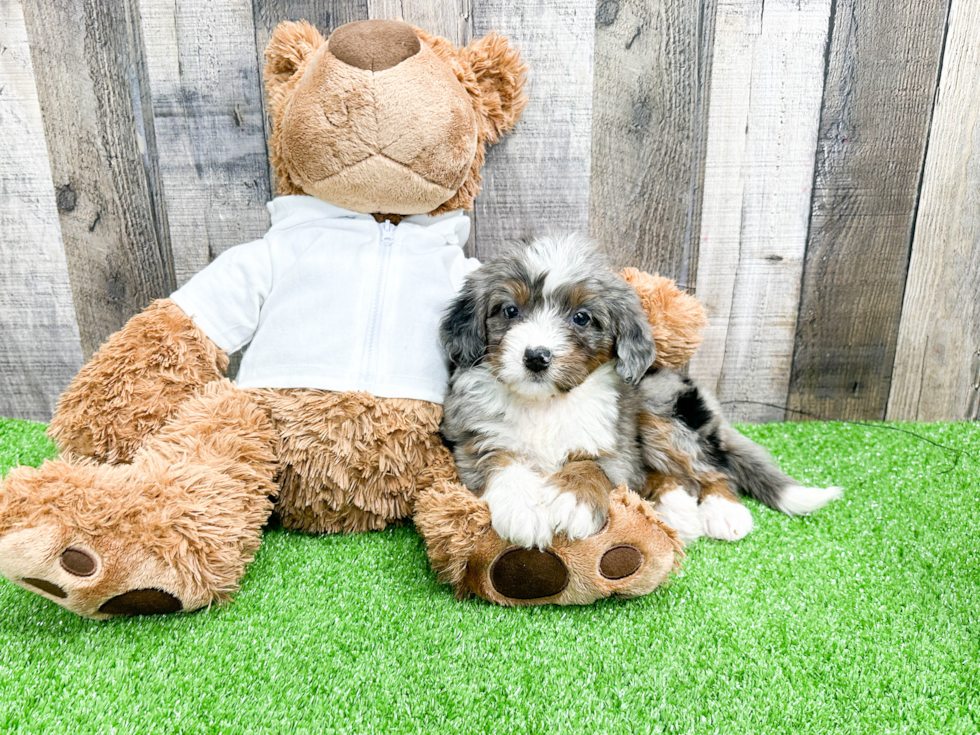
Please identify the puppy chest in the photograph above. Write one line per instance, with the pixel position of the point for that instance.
(548, 431)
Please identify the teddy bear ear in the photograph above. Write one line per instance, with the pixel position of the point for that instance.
(499, 74)
(292, 43)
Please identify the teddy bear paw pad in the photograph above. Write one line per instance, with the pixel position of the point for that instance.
(45, 586)
(141, 602)
(78, 562)
(528, 574)
(620, 562)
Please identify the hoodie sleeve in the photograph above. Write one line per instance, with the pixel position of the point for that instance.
(225, 298)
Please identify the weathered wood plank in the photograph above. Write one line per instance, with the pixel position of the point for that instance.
(99, 129)
(538, 177)
(762, 132)
(324, 14)
(649, 128)
(881, 84)
(451, 19)
(937, 362)
(40, 350)
(207, 108)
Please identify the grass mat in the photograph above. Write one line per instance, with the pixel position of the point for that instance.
(862, 619)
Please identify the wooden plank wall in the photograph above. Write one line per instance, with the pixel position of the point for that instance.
(808, 166)
(881, 80)
(39, 345)
(937, 367)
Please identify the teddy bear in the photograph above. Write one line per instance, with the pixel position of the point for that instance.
(168, 472)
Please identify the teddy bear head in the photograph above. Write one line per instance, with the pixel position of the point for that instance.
(383, 118)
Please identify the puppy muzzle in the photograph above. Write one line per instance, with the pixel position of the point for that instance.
(537, 359)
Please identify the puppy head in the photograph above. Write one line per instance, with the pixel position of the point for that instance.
(545, 316)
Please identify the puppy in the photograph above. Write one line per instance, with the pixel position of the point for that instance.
(552, 402)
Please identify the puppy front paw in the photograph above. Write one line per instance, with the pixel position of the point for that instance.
(524, 524)
(577, 520)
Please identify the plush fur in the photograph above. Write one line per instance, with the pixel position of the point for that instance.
(182, 519)
(134, 383)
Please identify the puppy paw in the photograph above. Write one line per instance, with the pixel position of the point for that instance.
(724, 519)
(524, 524)
(798, 500)
(574, 519)
(679, 510)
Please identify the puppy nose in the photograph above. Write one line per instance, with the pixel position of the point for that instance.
(537, 359)
(374, 45)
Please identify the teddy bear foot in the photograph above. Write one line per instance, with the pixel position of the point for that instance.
(95, 577)
(630, 556)
(104, 541)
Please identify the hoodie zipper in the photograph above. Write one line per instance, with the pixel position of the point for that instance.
(370, 356)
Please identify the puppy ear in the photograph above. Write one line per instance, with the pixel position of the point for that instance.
(499, 74)
(291, 45)
(635, 348)
(462, 331)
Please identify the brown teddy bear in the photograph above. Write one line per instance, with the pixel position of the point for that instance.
(169, 471)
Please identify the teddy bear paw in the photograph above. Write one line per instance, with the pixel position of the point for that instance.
(75, 574)
(630, 555)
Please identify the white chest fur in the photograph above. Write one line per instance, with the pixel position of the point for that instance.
(545, 431)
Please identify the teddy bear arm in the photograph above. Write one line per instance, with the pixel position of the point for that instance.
(134, 383)
(675, 316)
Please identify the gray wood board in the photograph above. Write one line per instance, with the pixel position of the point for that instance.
(649, 127)
(762, 133)
(537, 178)
(207, 110)
(40, 350)
(93, 93)
(451, 19)
(881, 82)
(937, 362)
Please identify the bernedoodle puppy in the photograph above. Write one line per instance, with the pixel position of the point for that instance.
(551, 389)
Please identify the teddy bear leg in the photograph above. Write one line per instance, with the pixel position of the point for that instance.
(134, 383)
(172, 531)
(630, 556)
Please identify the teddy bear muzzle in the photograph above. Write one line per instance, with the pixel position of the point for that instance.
(374, 45)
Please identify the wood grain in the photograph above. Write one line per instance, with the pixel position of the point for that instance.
(881, 83)
(762, 133)
(451, 19)
(99, 128)
(649, 129)
(537, 178)
(40, 350)
(207, 110)
(937, 362)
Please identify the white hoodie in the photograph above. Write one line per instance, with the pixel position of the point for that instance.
(331, 299)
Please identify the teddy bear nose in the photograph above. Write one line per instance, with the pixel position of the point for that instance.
(374, 45)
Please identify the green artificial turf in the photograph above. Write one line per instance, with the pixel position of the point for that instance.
(862, 619)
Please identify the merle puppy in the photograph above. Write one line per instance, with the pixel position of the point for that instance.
(552, 397)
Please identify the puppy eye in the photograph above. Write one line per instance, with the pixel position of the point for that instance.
(510, 312)
(581, 318)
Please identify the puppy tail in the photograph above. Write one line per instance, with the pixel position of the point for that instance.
(756, 474)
